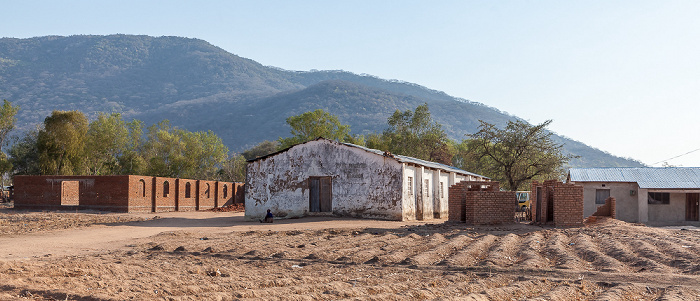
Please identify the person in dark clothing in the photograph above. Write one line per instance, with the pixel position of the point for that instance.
(268, 217)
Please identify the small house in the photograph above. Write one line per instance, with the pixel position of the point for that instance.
(667, 195)
(325, 177)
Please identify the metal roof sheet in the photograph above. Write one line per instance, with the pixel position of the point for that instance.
(645, 177)
(429, 164)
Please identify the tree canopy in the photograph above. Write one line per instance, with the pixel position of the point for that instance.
(416, 134)
(514, 155)
(311, 125)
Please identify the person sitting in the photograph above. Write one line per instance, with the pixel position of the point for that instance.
(268, 217)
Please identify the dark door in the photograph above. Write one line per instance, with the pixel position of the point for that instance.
(692, 204)
(325, 194)
(538, 208)
(320, 192)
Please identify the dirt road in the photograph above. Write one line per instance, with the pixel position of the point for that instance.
(218, 256)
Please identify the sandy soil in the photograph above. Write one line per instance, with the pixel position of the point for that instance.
(218, 256)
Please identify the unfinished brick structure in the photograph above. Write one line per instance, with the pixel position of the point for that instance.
(127, 193)
(557, 202)
(481, 203)
(608, 209)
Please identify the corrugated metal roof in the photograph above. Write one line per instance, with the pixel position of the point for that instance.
(399, 158)
(645, 177)
(429, 164)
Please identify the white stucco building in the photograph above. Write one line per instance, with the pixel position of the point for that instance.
(327, 177)
(668, 195)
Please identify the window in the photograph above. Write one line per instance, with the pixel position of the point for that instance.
(659, 198)
(442, 192)
(410, 185)
(225, 191)
(601, 195)
(206, 190)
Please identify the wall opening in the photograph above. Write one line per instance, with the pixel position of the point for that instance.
(70, 193)
(188, 190)
(142, 187)
(225, 191)
(166, 189)
(206, 190)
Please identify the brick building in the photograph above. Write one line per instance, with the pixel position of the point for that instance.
(556, 202)
(125, 193)
(481, 203)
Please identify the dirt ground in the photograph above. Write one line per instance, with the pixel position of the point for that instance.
(219, 256)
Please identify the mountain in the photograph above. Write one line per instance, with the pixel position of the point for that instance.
(199, 86)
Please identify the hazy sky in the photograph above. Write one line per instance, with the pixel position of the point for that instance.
(622, 76)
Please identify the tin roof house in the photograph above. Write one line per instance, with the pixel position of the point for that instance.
(325, 177)
(668, 195)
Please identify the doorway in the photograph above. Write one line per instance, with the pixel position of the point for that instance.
(692, 204)
(320, 192)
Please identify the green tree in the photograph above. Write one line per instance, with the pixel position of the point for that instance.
(416, 134)
(233, 169)
(106, 141)
(24, 155)
(7, 124)
(311, 125)
(261, 149)
(172, 152)
(131, 162)
(61, 144)
(513, 156)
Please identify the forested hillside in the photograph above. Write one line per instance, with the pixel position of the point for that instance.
(198, 86)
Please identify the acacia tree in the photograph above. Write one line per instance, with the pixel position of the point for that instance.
(514, 155)
(61, 144)
(416, 134)
(311, 125)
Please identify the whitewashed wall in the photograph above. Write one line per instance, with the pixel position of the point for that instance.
(363, 184)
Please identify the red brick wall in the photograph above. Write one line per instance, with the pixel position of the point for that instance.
(608, 209)
(240, 193)
(207, 194)
(140, 194)
(568, 205)
(88, 192)
(186, 202)
(490, 207)
(120, 193)
(225, 193)
(480, 203)
(165, 195)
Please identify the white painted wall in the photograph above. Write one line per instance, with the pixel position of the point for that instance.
(364, 184)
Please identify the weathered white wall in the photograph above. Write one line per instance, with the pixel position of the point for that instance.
(440, 200)
(363, 184)
(409, 192)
